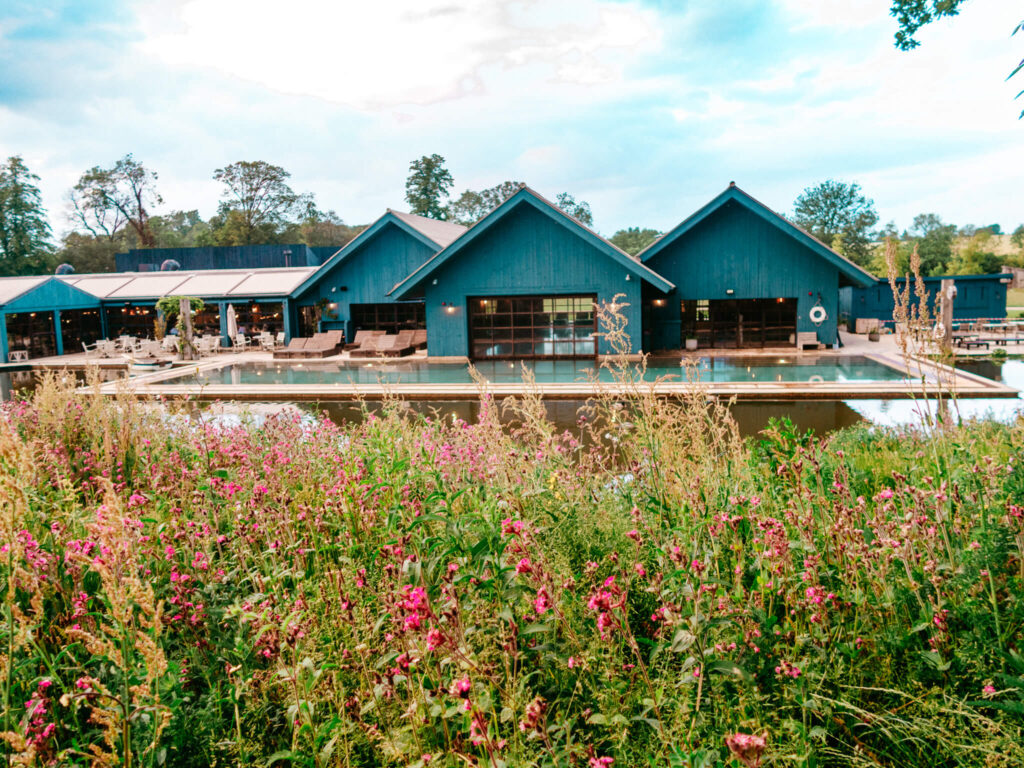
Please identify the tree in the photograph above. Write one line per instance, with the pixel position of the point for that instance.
(975, 258)
(106, 199)
(257, 202)
(24, 231)
(934, 241)
(88, 253)
(579, 210)
(838, 213)
(179, 229)
(472, 206)
(634, 239)
(1017, 238)
(428, 187)
(319, 228)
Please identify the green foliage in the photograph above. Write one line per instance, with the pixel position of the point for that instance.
(1017, 238)
(974, 259)
(911, 15)
(24, 231)
(634, 239)
(88, 253)
(578, 209)
(472, 206)
(838, 214)
(428, 187)
(105, 200)
(410, 591)
(256, 203)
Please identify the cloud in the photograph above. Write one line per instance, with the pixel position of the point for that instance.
(375, 56)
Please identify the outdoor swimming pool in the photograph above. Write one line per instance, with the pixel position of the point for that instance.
(807, 369)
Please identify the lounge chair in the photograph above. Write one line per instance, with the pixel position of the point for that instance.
(401, 346)
(294, 349)
(375, 346)
(360, 339)
(419, 338)
(321, 345)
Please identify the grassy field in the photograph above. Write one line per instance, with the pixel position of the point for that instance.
(1015, 297)
(647, 590)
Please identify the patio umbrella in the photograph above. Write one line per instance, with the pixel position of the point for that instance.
(232, 323)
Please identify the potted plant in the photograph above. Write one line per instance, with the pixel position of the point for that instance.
(873, 334)
(691, 343)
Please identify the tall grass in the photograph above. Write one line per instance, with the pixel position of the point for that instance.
(644, 590)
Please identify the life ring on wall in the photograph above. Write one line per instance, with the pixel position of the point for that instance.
(817, 379)
(939, 331)
(818, 315)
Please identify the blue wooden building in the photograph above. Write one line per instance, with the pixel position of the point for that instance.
(522, 282)
(351, 290)
(977, 297)
(519, 284)
(746, 277)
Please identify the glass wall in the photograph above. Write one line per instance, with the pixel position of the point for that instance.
(131, 320)
(392, 318)
(734, 323)
(32, 331)
(524, 327)
(78, 327)
(259, 317)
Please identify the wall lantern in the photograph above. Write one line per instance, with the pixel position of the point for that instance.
(659, 302)
(450, 309)
(434, 282)
(780, 301)
(628, 278)
(729, 291)
(332, 306)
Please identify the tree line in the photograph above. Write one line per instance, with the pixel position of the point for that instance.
(113, 209)
(116, 208)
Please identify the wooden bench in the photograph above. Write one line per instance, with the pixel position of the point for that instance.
(806, 339)
(972, 343)
(1004, 340)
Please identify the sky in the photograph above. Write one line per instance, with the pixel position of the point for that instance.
(645, 109)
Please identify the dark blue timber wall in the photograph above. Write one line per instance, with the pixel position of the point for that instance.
(733, 248)
(366, 273)
(976, 296)
(224, 257)
(525, 253)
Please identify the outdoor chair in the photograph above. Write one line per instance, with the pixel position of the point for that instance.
(376, 346)
(419, 338)
(106, 347)
(169, 343)
(401, 346)
(91, 350)
(266, 342)
(361, 338)
(294, 349)
(149, 348)
(279, 339)
(240, 343)
(321, 345)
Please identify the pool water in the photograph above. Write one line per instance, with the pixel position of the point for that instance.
(709, 370)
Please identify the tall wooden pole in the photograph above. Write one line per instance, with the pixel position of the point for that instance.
(948, 290)
(185, 310)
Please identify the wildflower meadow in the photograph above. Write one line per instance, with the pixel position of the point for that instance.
(647, 589)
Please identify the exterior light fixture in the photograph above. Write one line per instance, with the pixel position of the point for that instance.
(332, 306)
(450, 309)
(780, 301)
(434, 281)
(729, 291)
(659, 302)
(628, 278)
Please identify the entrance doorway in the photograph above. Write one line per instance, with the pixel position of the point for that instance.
(739, 323)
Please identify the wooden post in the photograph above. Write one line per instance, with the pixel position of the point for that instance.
(185, 311)
(948, 292)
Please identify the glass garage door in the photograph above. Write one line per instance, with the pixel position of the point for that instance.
(531, 327)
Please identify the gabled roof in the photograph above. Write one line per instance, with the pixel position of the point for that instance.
(855, 274)
(527, 196)
(431, 232)
(19, 292)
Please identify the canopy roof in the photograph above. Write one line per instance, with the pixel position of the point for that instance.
(226, 283)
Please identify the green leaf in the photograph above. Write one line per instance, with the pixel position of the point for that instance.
(597, 719)
(683, 639)
(532, 629)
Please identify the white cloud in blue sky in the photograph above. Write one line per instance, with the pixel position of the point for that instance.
(644, 109)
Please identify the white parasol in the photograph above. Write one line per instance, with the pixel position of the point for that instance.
(232, 323)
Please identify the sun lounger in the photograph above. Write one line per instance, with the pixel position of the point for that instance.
(419, 338)
(360, 339)
(375, 346)
(401, 346)
(295, 346)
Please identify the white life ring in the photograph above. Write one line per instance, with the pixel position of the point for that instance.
(818, 314)
(939, 331)
(817, 379)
